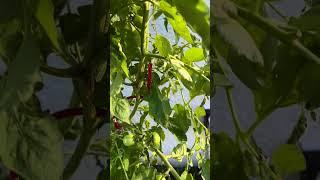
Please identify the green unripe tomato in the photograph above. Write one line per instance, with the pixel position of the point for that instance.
(156, 139)
(128, 140)
(160, 177)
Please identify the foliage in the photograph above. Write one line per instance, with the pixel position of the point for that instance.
(156, 68)
(32, 138)
(279, 62)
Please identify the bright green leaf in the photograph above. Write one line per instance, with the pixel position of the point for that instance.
(200, 112)
(163, 45)
(116, 85)
(120, 108)
(193, 55)
(176, 20)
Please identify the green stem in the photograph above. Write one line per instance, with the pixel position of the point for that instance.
(258, 5)
(282, 35)
(244, 137)
(135, 108)
(125, 173)
(78, 154)
(277, 11)
(235, 118)
(66, 73)
(167, 163)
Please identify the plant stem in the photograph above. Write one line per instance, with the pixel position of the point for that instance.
(282, 35)
(135, 108)
(79, 153)
(66, 73)
(235, 118)
(167, 163)
(243, 137)
(277, 11)
(125, 173)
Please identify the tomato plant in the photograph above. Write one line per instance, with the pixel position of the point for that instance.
(147, 68)
(32, 138)
(278, 60)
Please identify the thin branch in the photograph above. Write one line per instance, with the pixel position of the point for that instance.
(71, 112)
(277, 11)
(282, 35)
(167, 163)
(235, 118)
(66, 73)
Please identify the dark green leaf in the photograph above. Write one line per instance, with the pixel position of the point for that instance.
(180, 122)
(239, 40)
(31, 146)
(23, 74)
(228, 159)
(10, 39)
(159, 106)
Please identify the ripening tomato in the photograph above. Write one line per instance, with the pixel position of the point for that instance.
(128, 140)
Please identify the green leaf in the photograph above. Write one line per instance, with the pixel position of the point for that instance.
(196, 13)
(9, 10)
(179, 151)
(176, 20)
(184, 74)
(116, 85)
(239, 39)
(159, 106)
(70, 25)
(309, 20)
(206, 170)
(44, 13)
(193, 55)
(228, 159)
(31, 146)
(143, 173)
(101, 71)
(120, 108)
(163, 45)
(23, 74)
(10, 39)
(288, 159)
(180, 122)
(200, 112)
(124, 67)
(186, 176)
(308, 78)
